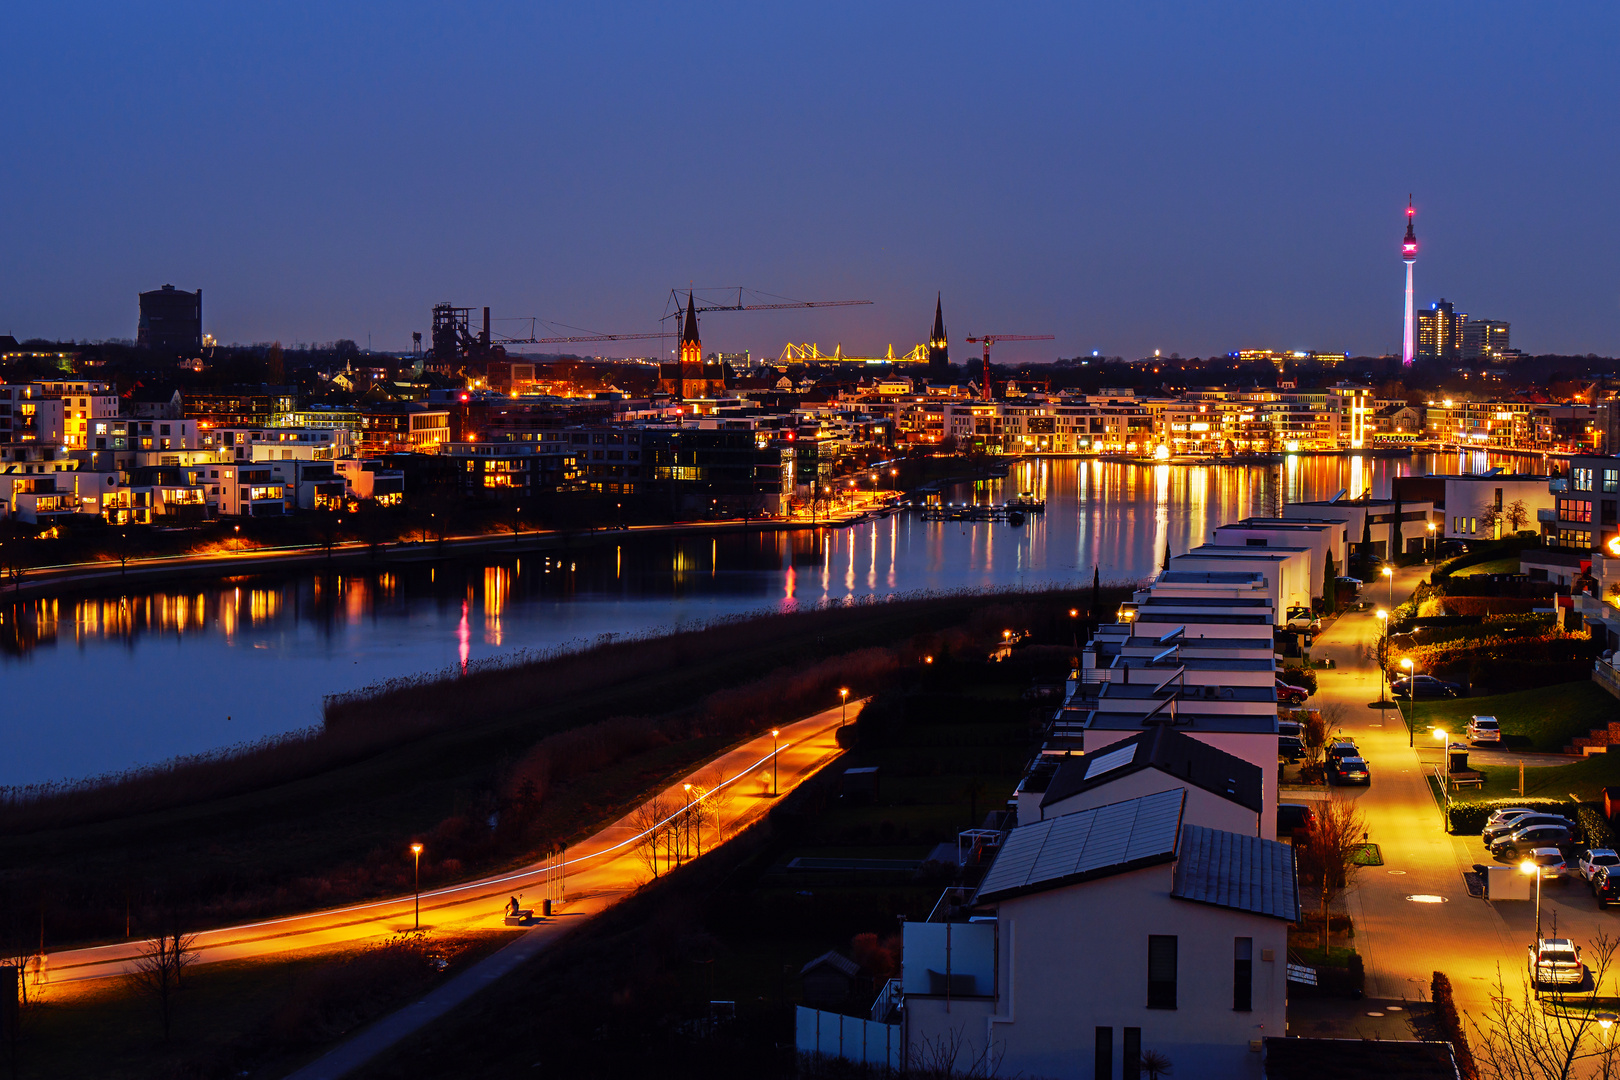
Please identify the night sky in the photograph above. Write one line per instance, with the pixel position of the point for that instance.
(1187, 177)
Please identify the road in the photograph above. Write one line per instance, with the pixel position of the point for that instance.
(602, 869)
(1404, 941)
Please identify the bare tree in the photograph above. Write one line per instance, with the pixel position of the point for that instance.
(1556, 1037)
(1328, 857)
(159, 968)
(1516, 515)
(648, 821)
(951, 1055)
(1491, 517)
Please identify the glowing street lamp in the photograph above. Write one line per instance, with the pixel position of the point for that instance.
(1411, 695)
(1431, 528)
(687, 813)
(774, 733)
(1389, 573)
(236, 531)
(1529, 866)
(416, 853)
(843, 695)
(1074, 625)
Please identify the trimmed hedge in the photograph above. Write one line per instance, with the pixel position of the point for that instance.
(1449, 1022)
(1594, 828)
(1469, 816)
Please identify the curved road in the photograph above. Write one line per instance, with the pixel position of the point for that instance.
(600, 870)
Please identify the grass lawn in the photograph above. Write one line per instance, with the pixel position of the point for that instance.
(242, 1018)
(1494, 566)
(1584, 779)
(1546, 718)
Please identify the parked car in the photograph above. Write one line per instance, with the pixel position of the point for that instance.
(1302, 618)
(1556, 961)
(1518, 845)
(1290, 747)
(1342, 748)
(1606, 885)
(1484, 729)
(1492, 833)
(1289, 694)
(1594, 859)
(1291, 728)
(1348, 582)
(1348, 770)
(1447, 549)
(1424, 686)
(1549, 863)
(1505, 813)
(1291, 817)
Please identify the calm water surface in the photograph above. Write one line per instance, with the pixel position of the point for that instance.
(91, 685)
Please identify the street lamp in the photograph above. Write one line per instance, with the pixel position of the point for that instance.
(1389, 573)
(843, 694)
(1430, 527)
(1529, 866)
(1411, 695)
(416, 852)
(1383, 633)
(686, 818)
(774, 734)
(1074, 626)
(237, 531)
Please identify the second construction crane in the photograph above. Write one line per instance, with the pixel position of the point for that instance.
(989, 390)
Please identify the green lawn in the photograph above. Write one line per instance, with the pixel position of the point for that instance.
(1584, 779)
(1546, 718)
(1494, 566)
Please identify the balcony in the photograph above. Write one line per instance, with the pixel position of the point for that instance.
(1547, 515)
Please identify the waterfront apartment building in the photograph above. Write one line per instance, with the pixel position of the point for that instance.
(83, 403)
(255, 443)
(1585, 512)
(263, 406)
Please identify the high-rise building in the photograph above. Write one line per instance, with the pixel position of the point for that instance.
(171, 320)
(939, 351)
(1439, 331)
(1484, 339)
(1409, 254)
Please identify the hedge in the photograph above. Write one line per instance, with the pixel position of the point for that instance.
(1468, 816)
(1594, 829)
(1450, 1024)
(1303, 677)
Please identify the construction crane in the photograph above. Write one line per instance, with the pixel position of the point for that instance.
(675, 307)
(991, 339)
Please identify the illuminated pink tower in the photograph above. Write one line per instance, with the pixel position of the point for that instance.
(1409, 253)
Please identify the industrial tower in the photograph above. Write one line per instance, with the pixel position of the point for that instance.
(939, 350)
(1409, 253)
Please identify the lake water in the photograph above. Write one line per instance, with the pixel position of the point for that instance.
(99, 684)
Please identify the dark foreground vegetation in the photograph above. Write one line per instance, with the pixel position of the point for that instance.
(488, 770)
(629, 994)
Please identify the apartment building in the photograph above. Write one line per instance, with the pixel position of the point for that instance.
(83, 404)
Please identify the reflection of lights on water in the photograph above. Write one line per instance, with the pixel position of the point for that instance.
(464, 637)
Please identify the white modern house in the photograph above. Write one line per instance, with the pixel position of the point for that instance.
(1287, 571)
(1320, 540)
(1102, 934)
(1223, 791)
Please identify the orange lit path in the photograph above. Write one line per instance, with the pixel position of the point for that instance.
(602, 869)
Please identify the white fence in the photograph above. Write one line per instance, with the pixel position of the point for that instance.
(848, 1037)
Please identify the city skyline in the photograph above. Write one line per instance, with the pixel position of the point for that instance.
(294, 168)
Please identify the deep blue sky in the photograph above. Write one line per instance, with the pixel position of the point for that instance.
(1192, 178)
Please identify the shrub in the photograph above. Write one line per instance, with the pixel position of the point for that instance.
(1594, 829)
(1449, 1022)
(1469, 816)
(1304, 677)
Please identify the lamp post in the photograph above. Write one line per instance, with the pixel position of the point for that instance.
(1389, 573)
(1074, 625)
(686, 818)
(774, 734)
(1383, 639)
(1529, 866)
(1411, 695)
(843, 696)
(1430, 527)
(416, 853)
(236, 531)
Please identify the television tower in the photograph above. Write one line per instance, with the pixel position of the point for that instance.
(1409, 253)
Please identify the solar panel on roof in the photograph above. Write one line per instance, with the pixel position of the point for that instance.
(1110, 761)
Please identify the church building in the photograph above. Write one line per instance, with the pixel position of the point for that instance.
(689, 377)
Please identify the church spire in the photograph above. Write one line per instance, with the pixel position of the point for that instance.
(939, 354)
(691, 346)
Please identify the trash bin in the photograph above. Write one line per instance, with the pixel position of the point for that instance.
(1459, 758)
(545, 908)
